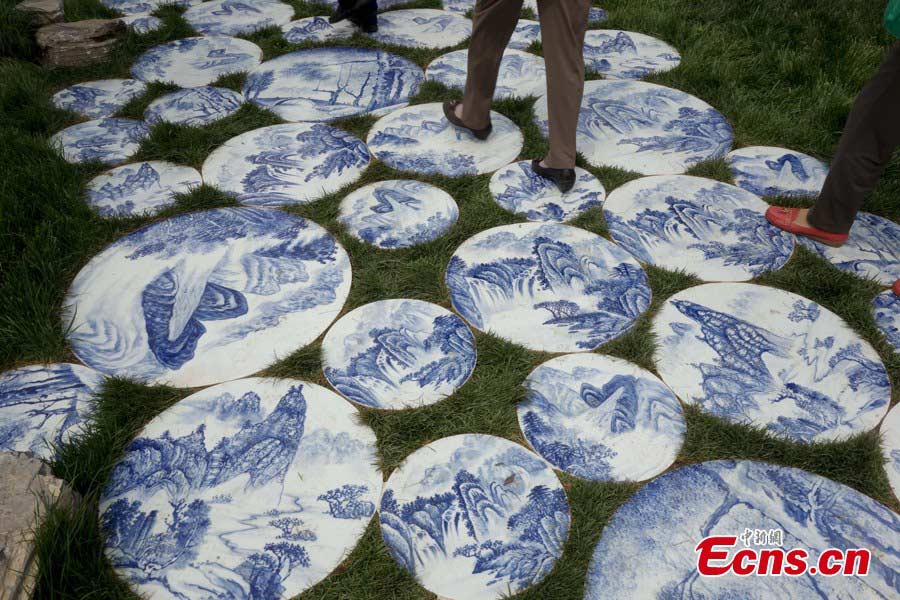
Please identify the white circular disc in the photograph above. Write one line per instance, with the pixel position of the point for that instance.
(767, 171)
(518, 189)
(548, 287)
(422, 28)
(258, 484)
(764, 357)
(396, 354)
(886, 308)
(110, 141)
(521, 74)
(872, 251)
(196, 61)
(627, 55)
(890, 448)
(601, 418)
(317, 29)
(142, 24)
(144, 7)
(95, 99)
(237, 17)
(140, 188)
(206, 297)
(194, 106)
(526, 33)
(474, 517)
(293, 163)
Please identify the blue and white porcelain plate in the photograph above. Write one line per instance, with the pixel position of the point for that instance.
(872, 250)
(396, 354)
(140, 188)
(293, 163)
(526, 33)
(886, 307)
(627, 55)
(398, 213)
(597, 15)
(768, 358)
(518, 189)
(144, 7)
(475, 517)
(521, 74)
(42, 406)
(647, 550)
(645, 128)
(707, 228)
(382, 4)
(237, 17)
(419, 138)
(206, 297)
(767, 171)
(323, 84)
(422, 28)
(142, 24)
(459, 7)
(601, 418)
(196, 61)
(890, 448)
(548, 287)
(257, 488)
(194, 106)
(317, 29)
(110, 141)
(95, 99)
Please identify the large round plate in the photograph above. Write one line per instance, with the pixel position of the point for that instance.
(548, 287)
(518, 189)
(206, 297)
(768, 358)
(647, 550)
(330, 83)
(422, 28)
(627, 55)
(601, 418)
(521, 74)
(196, 61)
(872, 250)
(707, 228)
(890, 448)
(140, 188)
(144, 7)
(95, 99)
(317, 29)
(107, 140)
(286, 164)
(526, 33)
(419, 138)
(398, 213)
(237, 17)
(767, 171)
(646, 128)
(42, 406)
(254, 488)
(475, 517)
(396, 354)
(886, 307)
(194, 106)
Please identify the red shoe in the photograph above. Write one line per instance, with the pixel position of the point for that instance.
(896, 287)
(783, 218)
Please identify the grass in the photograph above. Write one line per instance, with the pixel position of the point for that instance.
(784, 72)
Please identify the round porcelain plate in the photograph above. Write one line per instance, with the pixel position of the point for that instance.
(237, 17)
(110, 141)
(521, 74)
(95, 99)
(196, 61)
(140, 188)
(194, 106)
(769, 171)
(422, 28)
(627, 55)
(890, 448)
(886, 307)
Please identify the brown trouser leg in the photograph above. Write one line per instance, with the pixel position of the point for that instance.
(870, 137)
(563, 24)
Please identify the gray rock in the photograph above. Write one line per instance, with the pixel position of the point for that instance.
(79, 43)
(43, 11)
(28, 489)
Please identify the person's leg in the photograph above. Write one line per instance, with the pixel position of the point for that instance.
(492, 25)
(563, 25)
(870, 137)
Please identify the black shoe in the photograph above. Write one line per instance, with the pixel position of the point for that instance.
(367, 24)
(346, 12)
(563, 178)
(450, 113)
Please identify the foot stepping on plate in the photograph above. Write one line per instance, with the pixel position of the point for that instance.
(518, 189)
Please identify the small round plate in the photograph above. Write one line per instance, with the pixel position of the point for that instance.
(140, 188)
(890, 448)
(419, 138)
(237, 17)
(521, 74)
(396, 354)
(110, 141)
(768, 358)
(548, 287)
(196, 61)
(254, 488)
(886, 307)
(627, 55)
(601, 418)
(194, 106)
(526, 33)
(422, 28)
(707, 228)
(317, 29)
(42, 406)
(475, 517)
(767, 171)
(597, 15)
(142, 24)
(398, 213)
(293, 163)
(323, 84)
(518, 189)
(645, 128)
(144, 7)
(96, 99)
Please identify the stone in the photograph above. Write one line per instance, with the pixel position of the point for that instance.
(43, 11)
(29, 487)
(80, 43)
